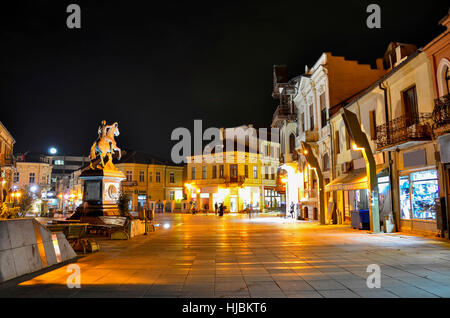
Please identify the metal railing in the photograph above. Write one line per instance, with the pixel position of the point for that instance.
(7, 160)
(403, 129)
(441, 111)
(129, 183)
(285, 112)
(235, 179)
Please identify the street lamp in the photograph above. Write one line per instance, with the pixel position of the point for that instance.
(53, 150)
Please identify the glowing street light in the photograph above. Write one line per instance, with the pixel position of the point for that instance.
(53, 151)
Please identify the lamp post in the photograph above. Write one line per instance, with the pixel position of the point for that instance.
(361, 143)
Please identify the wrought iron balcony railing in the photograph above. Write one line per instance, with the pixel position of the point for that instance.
(285, 112)
(7, 160)
(404, 129)
(441, 113)
(235, 179)
(129, 183)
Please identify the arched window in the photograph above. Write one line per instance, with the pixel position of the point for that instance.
(443, 77)
(447, 79)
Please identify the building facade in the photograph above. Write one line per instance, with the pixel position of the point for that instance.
(330, 81)
(7, 165)
(241, 177)
(151, 183)
(438, 51)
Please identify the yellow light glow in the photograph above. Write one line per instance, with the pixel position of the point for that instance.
(305, 152)
(284, 180)
(188, 185)
(355, 147)
(198, 190)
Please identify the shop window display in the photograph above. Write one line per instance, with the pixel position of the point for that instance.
(418, 192)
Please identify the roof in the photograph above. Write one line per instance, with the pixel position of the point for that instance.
(334, 109)
(133, 156)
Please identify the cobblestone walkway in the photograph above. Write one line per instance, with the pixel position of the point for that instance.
(265, 256)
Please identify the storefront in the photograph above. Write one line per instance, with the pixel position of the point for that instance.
(272, 199)
(418, 193)
(352, 193)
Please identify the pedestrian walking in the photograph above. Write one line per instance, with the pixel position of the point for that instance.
(216, 207)
(292, 209)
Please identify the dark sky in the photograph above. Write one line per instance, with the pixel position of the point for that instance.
(154, 67)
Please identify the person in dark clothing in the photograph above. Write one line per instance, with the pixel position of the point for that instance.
(216, 207)
(221, 209)
(292, 209)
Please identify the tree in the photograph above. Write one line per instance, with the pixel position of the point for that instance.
(123, 204)
(25, 203)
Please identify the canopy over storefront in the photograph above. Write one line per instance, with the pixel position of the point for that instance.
(356, 180)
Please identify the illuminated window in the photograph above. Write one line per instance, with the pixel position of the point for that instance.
(255, 172)
(59, 162)
(221, 171)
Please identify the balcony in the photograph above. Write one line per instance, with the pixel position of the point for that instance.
(6, 160)
(404, 131)
(441, 115)
(235, 179)
(129, 183)
(308, 136)
(284, 112)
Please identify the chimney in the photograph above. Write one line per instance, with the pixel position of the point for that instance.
(379, 63)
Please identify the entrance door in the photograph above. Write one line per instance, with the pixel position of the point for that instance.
(233, 204)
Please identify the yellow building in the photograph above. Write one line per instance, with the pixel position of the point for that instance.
(238, 177)
(152, 183)
(33, 173)
(6, 161)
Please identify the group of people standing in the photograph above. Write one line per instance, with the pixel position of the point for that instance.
(219, 208)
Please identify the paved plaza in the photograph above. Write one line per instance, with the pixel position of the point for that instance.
(262, 256)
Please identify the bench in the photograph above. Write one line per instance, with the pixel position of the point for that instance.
(73, 233)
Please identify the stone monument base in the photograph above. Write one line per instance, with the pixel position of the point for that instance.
(100, 195)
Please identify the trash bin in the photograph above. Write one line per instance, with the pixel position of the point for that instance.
(364, 219)
(355, 219)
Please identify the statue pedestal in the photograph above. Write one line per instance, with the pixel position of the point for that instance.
(101, 192)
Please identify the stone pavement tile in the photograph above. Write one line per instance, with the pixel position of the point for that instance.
(354, 283)
(232, 294)
(410, 292)
(435, 289)
(343, 293)
(374, 293)
(325, 284)
(258, 278)
(303, 294)
(267, 294)
(288, 287)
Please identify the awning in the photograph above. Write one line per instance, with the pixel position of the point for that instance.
(213, 189)
(352, 181)
(356, 180)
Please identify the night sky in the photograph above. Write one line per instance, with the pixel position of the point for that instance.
(154, 67)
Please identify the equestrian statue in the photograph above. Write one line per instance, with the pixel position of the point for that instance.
(105, 146)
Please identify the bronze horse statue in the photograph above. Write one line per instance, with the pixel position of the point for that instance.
(105, 145)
